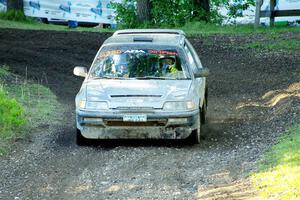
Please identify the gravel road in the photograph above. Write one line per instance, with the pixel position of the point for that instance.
(253, 97)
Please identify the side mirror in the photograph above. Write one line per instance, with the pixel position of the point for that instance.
(204, 72)
(80, 71)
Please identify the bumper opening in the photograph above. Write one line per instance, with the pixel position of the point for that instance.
(138, 124)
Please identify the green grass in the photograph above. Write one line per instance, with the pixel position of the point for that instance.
(38, 101)
(279, 44)
(31, 105)
(278, 41)
(35, 25)
(200, 28)
(4, 71)
(11, 116)
(192, 28)
(279, 175)
(15, 15)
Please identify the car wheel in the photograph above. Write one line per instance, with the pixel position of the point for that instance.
(203, 111)
(80, 140)
(196, 134)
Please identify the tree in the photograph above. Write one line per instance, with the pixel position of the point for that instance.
(200, 6)
(15, 5)
(143, 10)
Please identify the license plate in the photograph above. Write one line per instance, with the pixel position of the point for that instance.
(135, 118)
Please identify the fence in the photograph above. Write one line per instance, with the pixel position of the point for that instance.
(272, 13)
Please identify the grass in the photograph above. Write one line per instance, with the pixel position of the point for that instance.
(278, 41)
(4, 71)
(191, 28)
(35, 25)
(17, 19)
(199, 28)
(280, 44)
(15, 15)
(279, 175)
(25, 105)
(11, 116)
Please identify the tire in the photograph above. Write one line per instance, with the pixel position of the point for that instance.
(203, 111)
(80, 140)
(204, 107)
(196, 134)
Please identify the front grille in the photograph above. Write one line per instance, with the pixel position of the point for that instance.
(122, 123)
(126, 96)
(135, 109)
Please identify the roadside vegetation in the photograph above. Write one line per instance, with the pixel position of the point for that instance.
(279, 174)
(281, 43)
(192, 28)
(24, 105)
(15, 15)
(16, 19)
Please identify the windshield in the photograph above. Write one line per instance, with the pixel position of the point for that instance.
(139, 63)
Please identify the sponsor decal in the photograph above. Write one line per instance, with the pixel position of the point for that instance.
(135, 51)
(66, 7)
(109, 53)
(98, 9)
(94, 11)
(138, 51)
(163, 52)
(35, 5)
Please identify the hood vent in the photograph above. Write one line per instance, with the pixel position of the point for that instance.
(126, 96)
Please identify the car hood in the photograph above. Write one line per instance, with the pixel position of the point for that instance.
(137, 93)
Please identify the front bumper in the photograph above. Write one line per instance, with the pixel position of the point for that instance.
(162, 125)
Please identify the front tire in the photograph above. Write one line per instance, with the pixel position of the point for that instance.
(80, 140)
(196, 134)
(204, 110)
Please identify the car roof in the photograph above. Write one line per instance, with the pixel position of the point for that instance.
(169, 37)
(149, 31)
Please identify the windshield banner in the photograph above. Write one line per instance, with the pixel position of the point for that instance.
(95, 11)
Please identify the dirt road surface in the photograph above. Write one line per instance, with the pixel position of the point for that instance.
(253, 97)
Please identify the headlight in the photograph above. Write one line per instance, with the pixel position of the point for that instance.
(82, 104)
(93, 105)
(179, 105)
(96, 105)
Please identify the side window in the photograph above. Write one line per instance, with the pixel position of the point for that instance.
(191, 60)
(194, 54)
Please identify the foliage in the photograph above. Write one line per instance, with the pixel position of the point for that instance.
(279, 175)
(15, 15)
(11, 115)
(237, 7)
(24, 105)
(176, 13)
(168, 13)
(171, 13)
(126, 13)
(234, 7)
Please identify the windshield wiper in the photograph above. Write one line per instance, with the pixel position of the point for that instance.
(155, 78)
(106, 77)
